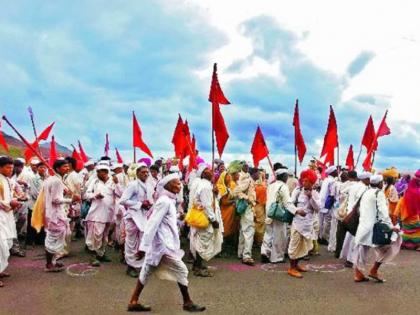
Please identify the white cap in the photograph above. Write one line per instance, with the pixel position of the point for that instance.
(117, 165)
(201, 169)
(331, 169)
(364, 175)
(281, 171)
(174, 169)
(140, 165)
(21, 160)
(376, 179)
(90, 162)
(102, 167)
(104, 162)
(168, 178)
(35, 161)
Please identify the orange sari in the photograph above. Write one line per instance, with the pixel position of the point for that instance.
(225, 185)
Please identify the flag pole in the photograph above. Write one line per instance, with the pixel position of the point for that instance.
(360, 153)
(271, 165)
(295, 160)
(134, 155)
(31, 115)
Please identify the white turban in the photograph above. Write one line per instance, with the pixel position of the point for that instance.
(35, 161)
(102, 167)
(89, 163)
(364, 175)
(201, 169)
(331, 169)
(376, 179)
(281, 171)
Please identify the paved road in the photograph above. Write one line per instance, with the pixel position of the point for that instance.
(235, 289)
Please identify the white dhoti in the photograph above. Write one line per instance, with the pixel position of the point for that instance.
(383, 254)
(275, 241)
(97, 236)
(5, 246)
(299, 246)
(169, 268)
(246, 234)
(133, 237)
(206, 242)
(325, 224)
(56, 234)
(332, 240)
(349, 251)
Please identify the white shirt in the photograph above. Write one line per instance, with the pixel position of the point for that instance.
(305, 225)
(7, 219)
(329, 188)
(101, 210)
(54, 199)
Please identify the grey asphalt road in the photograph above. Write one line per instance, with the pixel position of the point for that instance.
(235, 288)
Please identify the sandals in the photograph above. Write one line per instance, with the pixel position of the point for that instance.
(4, 275)
(205, 273)
(54, 268)
(193, 308)
(248, 261)
(377, 278)
(364, 279)
(138, 308)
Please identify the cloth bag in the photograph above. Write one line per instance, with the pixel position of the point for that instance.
(278, 212)
(351, 221)
(241, 206)
(381, 231)
(197, 218)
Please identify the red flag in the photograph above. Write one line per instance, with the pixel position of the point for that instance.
(330, 139)
(367, 163)
(299, 142)
(137, 138)
(369, 135)
(106, 149)
(350, 159)
(178, 138)
(187, 139)
(193, 156)
(29, 153)
(83, 155)
(45, 134)
(219, 128)
(383, 129)
(259, 149)
(53, 153)
(216, 94)
(119, 158)
(3, 142)
(75, 155)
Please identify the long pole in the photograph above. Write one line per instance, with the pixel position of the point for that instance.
(31, 115)
(360, 153)
(134, 155)
(296, 161)
(373, 158)
(212, 152)
(271, 166)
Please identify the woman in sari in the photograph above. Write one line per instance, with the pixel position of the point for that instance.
(390, 176)
(408, 210)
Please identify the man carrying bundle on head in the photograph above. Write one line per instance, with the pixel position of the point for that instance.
(160, 248)
(205, 242)
(57, 226)
(137, 199)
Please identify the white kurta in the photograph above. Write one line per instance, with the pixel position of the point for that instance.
(207, 242)
(7, 222)
(101, 210)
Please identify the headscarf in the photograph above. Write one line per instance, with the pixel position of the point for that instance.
(235, 167)
(412, 195)
(402, 185)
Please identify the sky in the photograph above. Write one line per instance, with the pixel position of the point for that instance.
(88, 65)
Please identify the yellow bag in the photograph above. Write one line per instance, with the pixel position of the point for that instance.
(197, 218)
(38, 212)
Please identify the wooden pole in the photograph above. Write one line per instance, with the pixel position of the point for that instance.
(296, 158)
(271, 166)
(358, 157)
(134, 155)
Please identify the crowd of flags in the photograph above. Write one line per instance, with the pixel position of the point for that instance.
(185, 145)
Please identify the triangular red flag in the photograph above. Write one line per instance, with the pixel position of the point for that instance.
(193, 156)
(83, 155)
(350, 159)
(299, 142)
(331, 138)
(45, 134)
(53, 153)
(29, 153)
(369, 135)
(259, 148)
(187, 140)
(220, 129)
(119, 158)
(216, 93)
(383, 129)
(137, 138)
(75, 155)
(367, 163)
(178, 139)
(106, 148)
(3, 142)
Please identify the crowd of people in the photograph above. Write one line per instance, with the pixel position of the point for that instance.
(145, 210)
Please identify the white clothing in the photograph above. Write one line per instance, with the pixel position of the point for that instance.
(101, 210)
(7, 222)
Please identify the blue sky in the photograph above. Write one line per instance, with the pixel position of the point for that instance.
(88, 65)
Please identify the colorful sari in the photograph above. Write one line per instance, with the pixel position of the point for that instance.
(227, 204)
(410, 226)
(259, 211)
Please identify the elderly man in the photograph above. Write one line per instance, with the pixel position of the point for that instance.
(7, 221)
(206, 243)
(57, 226)
(160, 248)
(373, 209)
(137, 199)
(102, 194)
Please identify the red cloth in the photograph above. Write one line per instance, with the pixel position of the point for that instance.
(350, 159)
(259, 149)
(53, 153)
(75, 155)
(220, 129)
(330, 139)
(216, 93)
(3, 142)
(178, 140)
(299, 142)
(83, 155)
(137, 138)
(310, 175)
(412, 196)
(119, 158)
(193, 159)
(369, 135)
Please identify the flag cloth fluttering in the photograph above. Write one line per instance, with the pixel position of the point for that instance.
(45, 133)
(43, 136)
(178, 138)
(3, 142)
(119, 158)
(137, 138)
(350, 159)
(299, 142)
(53, 154)
(383, 130)
(106, 148)
(193, 156)
(369, 135)
(75, 155)
(216, 97)
(83, 154)
(330, 139)
(259, 148)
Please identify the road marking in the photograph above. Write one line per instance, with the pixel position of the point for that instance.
(81, 270)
